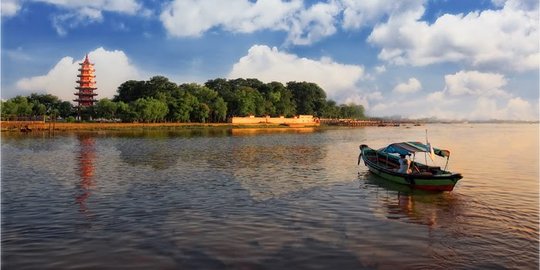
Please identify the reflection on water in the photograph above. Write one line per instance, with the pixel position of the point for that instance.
(85, 158)
(287, 199)
(256, 131)
(400, 202)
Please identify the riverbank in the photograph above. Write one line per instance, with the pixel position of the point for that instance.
(28, 126)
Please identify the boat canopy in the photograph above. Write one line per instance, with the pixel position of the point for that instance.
(406, 148)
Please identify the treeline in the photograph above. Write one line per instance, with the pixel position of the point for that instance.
(159, 99)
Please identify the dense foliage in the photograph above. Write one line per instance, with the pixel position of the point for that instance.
(159, 99)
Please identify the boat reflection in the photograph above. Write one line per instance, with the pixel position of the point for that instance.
(401, 203)
(85, 159)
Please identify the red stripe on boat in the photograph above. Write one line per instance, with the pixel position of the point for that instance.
(435, 188)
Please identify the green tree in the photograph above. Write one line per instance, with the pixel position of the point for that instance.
(281, 99)
(50, 102)
(219, 112)
(105, 108)
(201, 113)
(245, 101)
(180, 108)
(150, 109)
(39, 109)
(308, 97)
(125, 112)
(331, 110)
(21, 106)
(352, 111)
(65, 109)
(157, 85)
(130, 91)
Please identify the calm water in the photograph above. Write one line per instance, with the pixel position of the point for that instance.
(252, 199)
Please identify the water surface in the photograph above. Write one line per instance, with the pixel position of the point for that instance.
(265, 199)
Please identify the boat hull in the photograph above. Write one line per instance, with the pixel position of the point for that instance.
(441, 182)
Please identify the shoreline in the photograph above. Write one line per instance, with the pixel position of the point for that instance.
(27, 126)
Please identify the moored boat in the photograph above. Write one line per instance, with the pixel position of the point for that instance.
(385, 163)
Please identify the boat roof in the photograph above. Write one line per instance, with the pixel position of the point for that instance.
(406, 148)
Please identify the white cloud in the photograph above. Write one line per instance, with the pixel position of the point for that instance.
(121, 6)
(78, 12)
(476, 83)
(313, 24)
(411, 86)
(498, 39)
(358, 14)
(9, 7)
(380, 69)
(468, 95)
(269, 64)
(304, 24)
(513, 109)
(191, 18)
(112, 69)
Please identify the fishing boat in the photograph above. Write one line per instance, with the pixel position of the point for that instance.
(385, 163)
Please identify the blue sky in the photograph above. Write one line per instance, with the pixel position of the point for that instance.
(460, 59)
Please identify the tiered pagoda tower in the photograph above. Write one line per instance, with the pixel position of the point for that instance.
(87, 85)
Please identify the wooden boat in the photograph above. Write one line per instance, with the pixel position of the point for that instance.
(385, 163)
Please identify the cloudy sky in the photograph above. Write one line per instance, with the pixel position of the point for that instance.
(459, 59)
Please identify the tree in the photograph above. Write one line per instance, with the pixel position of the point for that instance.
(20, 107)
(125, 112)
(130, 91)
(201, 113)
(65, 109)
(282, 99)
(105, 108)
(219, 112)
(245, 101)
(158, 84)
(150, 109)
(180, 108)
(48, 101)
(39, 109)
(308, 97)
(331, 110)
(352, 111)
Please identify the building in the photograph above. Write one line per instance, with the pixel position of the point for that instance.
(86, 85)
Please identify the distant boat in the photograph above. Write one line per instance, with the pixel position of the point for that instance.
(385, 163)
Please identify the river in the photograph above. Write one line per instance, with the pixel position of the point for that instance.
(265, 199)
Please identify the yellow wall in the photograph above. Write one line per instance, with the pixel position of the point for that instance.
(301, 119)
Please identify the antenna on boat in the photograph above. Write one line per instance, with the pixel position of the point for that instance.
(430, 149)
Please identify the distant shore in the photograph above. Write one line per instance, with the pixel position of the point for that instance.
(27, 126)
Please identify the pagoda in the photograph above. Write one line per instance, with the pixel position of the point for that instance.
(87, 85)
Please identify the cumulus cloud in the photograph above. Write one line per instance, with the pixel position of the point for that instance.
(358, 14)
(468, 95)
(185, 18)
(476, 83)
(512, 109)
(411, 86)
(304, 24)
(9, 8)
(269, 64)
(498, 39)
(112, 69)
(313, 24)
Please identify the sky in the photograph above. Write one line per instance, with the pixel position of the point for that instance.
(458, 59)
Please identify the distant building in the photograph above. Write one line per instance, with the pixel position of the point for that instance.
(87, 85)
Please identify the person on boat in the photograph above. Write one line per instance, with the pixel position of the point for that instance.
(404, 164)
